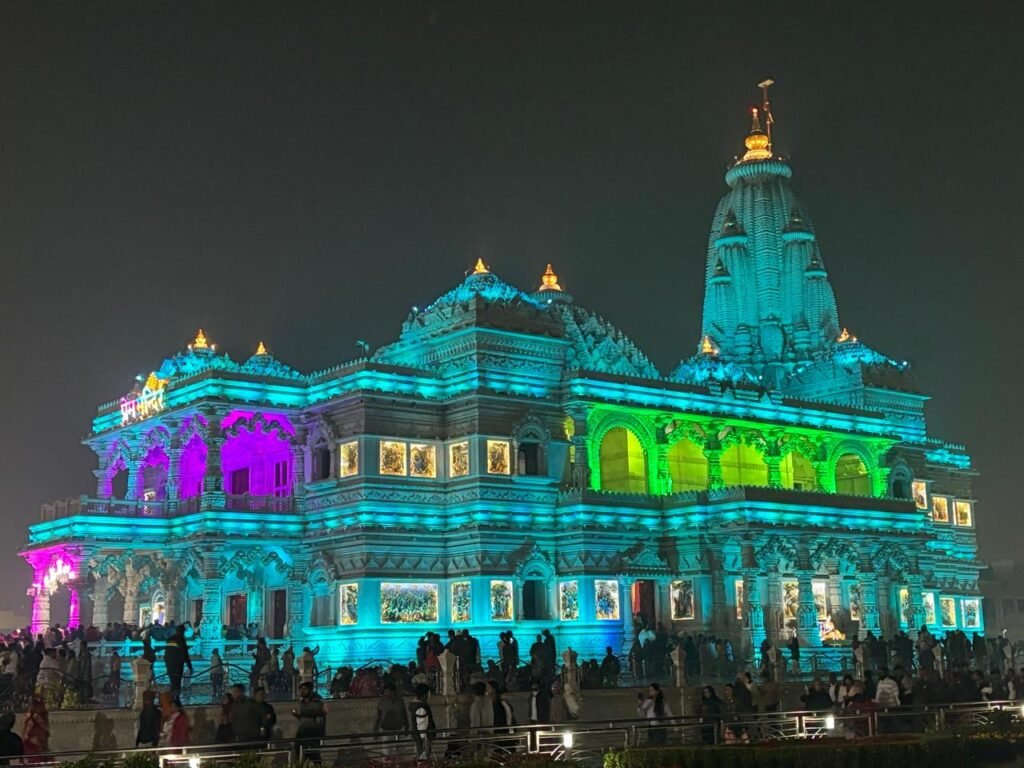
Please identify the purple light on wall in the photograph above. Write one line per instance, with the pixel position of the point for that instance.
(247, 416)
(257, 460)
(153, 477)
(192, 468)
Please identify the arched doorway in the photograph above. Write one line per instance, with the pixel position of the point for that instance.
(743, 465)
(623, 462)
(688, 467)
(852, 478)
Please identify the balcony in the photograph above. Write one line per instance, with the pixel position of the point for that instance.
(83, 505)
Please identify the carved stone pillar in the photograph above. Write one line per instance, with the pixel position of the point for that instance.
(40, 604)
(713, 453)
(753, 613)
(300, 456)
(102, 483)
(662, 476)
(100, 613)
(915, 619)
(75, 605)
(174, 471)
(133, 491)
(254, 605)
(130, 585)
(213, 482)
(774, 462)
(807, 612)
(869, 618)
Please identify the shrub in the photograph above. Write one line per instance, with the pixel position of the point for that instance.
(935, 752)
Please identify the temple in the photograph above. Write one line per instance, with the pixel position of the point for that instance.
(512, 459)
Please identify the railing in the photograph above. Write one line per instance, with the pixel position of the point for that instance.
(583, 742)
(84, 505)
(260, 503)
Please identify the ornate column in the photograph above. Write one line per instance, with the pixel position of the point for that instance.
(300, 454)
(753, 612)
(131, 592)
(869, 619)
(773, 460)
(663, 478)
(134, 478)
(254, 605)
(213, 611)
(174, 469)
(807, 612)
(75, 605)
(915, 587)
(713, 453)
(100, 614)
(213, 482)
(40, 603)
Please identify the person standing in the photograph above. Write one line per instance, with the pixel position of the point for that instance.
(794, 653)
(225, 730)
(11, 744)
(216, 674)
(176, 729)
(148, 734)
(312, 717)
(392, 718)
(422, 719)
(35, 733)
(268, 717)
(655, 709)
(176, 658)
(246, 717)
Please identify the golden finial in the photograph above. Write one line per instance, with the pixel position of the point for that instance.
(481, 268)
(200, 342)
(153, 383)
(757, 142)
(549, 280)
(845, 336)
(260, 349)
(707, 346)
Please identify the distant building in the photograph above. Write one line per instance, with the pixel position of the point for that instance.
(1003, 587)
(514, 460)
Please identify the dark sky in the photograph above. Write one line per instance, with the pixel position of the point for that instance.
(304, 173)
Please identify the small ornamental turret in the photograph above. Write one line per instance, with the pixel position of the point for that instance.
(481, 268)
(201, 344)
(261, 350)
(707, 346)
(549, 281)
(845, 336)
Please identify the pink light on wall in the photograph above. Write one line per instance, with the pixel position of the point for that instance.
(153, 477)
(278, 419)
(257, 460)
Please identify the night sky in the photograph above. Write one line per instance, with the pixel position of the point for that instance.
(304, 174)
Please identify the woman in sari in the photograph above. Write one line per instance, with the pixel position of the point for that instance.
(36, 731)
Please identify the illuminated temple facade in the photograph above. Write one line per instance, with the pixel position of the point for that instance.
(513, 460)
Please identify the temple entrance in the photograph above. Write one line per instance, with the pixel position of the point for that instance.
(644, 602)
(278, 613)
(535, 600)
(238, 610)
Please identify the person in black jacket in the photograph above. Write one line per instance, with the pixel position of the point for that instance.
(11, 744)
(176, 658)
(148, 734)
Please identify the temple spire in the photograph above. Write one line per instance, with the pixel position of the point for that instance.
(549, 280)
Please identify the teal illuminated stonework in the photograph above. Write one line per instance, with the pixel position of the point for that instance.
(513, 459)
